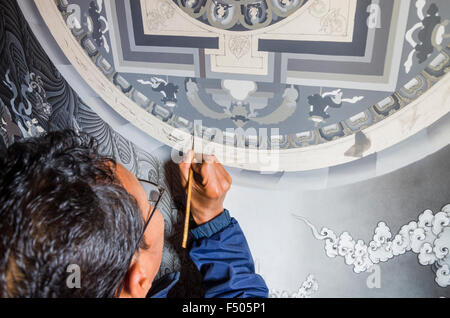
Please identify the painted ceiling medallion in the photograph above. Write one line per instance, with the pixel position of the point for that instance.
(239, 15)
(337, 79)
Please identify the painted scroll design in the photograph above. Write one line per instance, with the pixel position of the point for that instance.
(321, 103)
(167, 90)
(428, 237)
(94, 21)
(426, 36)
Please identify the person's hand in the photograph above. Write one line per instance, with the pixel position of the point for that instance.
(209, 186)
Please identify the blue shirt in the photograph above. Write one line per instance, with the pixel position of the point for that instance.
(221, 253)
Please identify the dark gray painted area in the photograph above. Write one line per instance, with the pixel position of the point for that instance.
(376, 65)
(153, 57)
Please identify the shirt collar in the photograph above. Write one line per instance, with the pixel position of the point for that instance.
(161, 287)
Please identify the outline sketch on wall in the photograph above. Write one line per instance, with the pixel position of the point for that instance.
(426, 35)
(322, 102)
(331, 19)
(167, 90)
(429, 237)
(159, 15)
(309, 287)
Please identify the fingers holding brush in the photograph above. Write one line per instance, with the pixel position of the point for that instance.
(184, 167)
(209, 187)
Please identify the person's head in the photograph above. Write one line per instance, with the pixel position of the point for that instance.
(64, 208)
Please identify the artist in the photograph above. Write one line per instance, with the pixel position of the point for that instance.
(64, 205)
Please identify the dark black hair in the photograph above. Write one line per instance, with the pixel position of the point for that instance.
(60, 204)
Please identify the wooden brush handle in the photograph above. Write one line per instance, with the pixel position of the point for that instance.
(188, 208)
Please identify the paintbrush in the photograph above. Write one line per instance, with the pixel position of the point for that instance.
(188, 200)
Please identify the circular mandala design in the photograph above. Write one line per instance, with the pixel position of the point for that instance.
(239, 15)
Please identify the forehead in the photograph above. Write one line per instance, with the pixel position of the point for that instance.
(132, 185)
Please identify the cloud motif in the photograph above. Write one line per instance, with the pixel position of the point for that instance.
(429, 237)
(309, 287)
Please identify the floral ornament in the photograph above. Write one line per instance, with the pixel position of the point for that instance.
(239, 46)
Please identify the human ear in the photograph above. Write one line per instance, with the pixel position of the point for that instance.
(137, 283)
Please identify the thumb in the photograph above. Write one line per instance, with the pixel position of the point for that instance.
(184, 167)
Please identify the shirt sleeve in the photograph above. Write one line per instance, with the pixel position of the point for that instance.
(221, 253)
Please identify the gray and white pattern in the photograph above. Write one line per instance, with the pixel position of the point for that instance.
(428, 237)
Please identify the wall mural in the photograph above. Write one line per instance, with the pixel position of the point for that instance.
(241, 65)
(428, 237)
(35, 98)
